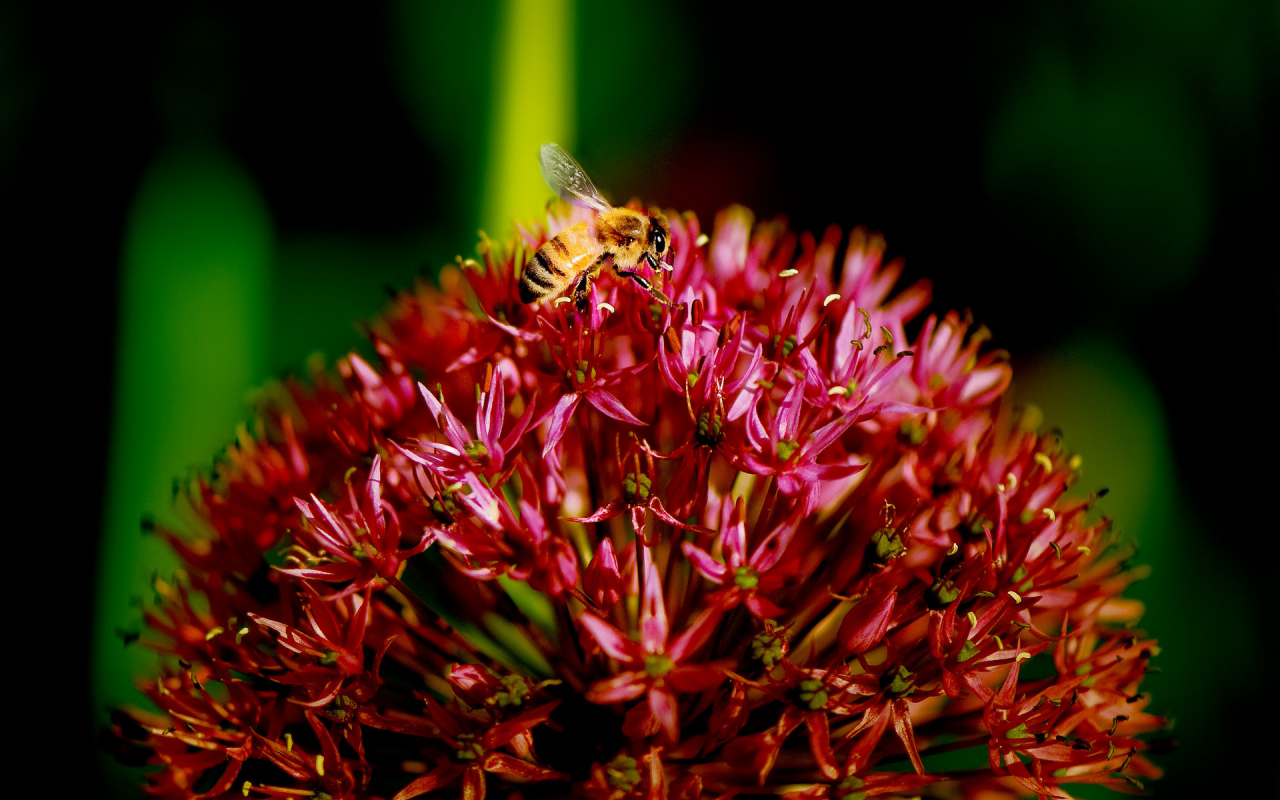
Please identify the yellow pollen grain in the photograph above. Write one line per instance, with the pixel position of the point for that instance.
(840, 390)
(245, 788)
(973, 619)
(1048, 512)
(604, 306)
(787, 273)
(1017, 598)
(561, 301)
(288, 742)
(320, 765)
(954, 547)
(1022, 656)
(831, 298)
(702, 239)
(1044, 461)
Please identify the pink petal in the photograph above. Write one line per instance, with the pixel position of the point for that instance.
(696, 634)
(610, 639)
(653, 613)
(611, 406)
(560, 417)
(733, 537)
(662, 704)
(788, 422)
(610, 511)
(703, 562)
(620, 688)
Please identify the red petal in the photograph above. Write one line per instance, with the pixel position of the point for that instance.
(866, 623)
(439, 776)
(560, 417)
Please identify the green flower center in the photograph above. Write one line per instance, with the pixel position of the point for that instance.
(635, 488)
(941, 594)
(475, 450)
(811, 695)
(622, 773)
(848, 789)
(709, 429)
(766, 649)
(658, 665)
(787, 448)
(469, 748)
(746, 577)
(885, 546)
(899, 683)
(515, 688)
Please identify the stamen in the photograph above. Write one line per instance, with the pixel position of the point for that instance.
(1022, 657)
(288, 742)
(787, 273)
(604, 306)
(1084, 550)
(217, 629)
(320, 764)
(1017, 598)
(702, 239)
(1048, 512)
(562, 300)
(831, 298)
(973, 619)
(1044, 461)
(840, 390)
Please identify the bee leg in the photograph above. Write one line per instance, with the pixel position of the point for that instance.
(637, 277)
(644, 284)
(582, 292)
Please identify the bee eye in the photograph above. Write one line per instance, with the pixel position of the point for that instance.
(659, 242)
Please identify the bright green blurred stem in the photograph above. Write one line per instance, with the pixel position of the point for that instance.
(193, 302)
(532, 105)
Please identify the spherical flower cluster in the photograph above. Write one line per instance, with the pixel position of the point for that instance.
(754, 541)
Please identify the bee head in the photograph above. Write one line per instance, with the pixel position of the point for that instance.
(659, 244)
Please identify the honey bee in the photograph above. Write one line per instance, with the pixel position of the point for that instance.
(618, 237)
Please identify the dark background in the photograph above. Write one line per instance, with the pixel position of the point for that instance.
(1096, 181)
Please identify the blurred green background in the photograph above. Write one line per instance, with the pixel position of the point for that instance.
(204, 196)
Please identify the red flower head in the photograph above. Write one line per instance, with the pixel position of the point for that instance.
(765, 537)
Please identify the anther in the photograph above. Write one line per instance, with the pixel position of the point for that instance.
(702, 239)
(1022, 657)
(831, 298)
(604, 306)
(217, 629)
(787, 273)
(561, 301)
(320, 765)
(1017, 598)
(954, 547)
(1049, 512)
(1044, 461)
(840, 390)
(973, 619)
(1084, 550)
(288, 742)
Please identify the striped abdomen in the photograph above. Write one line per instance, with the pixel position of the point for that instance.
(559, 262)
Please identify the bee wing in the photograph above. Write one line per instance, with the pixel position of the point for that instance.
(567, 179)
